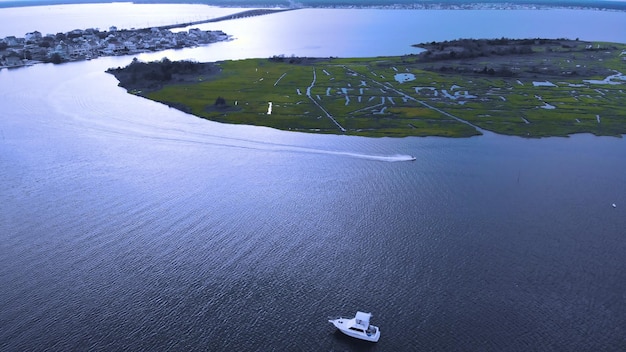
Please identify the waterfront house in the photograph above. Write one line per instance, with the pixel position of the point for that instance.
(12, 60)
(12, 41)
(33, 37)
(62, 50)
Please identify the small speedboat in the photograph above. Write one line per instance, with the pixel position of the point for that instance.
(358, 327)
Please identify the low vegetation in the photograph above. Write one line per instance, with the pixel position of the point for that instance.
(529, 88)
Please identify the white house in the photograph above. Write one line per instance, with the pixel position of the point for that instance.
(33, 36)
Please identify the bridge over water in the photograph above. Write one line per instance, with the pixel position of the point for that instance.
(243, 14)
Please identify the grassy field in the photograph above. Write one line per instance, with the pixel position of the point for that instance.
(560, 88)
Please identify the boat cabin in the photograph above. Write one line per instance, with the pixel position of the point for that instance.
(362, 319)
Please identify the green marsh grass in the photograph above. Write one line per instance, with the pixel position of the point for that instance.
(362, 95)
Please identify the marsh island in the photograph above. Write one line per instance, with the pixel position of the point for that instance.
(528, 87)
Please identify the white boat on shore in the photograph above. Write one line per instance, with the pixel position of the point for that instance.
(358, 327)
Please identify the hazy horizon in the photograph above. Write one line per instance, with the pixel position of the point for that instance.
(603, 4)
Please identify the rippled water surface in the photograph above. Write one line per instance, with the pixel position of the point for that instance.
(126, 225)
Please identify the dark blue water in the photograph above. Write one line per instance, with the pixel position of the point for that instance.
(126, 225)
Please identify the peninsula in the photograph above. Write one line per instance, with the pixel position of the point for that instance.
(529, 88)
(91, 43)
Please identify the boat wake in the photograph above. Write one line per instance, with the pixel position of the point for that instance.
(200, 138)
(160, 124)
(285, 148)
(387, 158)
(277, 147)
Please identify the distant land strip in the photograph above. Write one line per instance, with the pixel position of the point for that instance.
(375, 4)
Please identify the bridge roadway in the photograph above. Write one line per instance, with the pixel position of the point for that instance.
(243, 14)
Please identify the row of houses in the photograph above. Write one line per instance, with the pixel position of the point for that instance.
(92, 43)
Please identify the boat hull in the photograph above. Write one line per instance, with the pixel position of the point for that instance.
(344, 325)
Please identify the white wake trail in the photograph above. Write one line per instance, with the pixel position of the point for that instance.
(387, 158)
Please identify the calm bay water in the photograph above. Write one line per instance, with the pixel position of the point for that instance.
(126, 225)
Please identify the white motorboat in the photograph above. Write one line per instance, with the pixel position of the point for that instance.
(358, 327)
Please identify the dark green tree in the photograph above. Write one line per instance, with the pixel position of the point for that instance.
(56, 58)
(220, 102)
